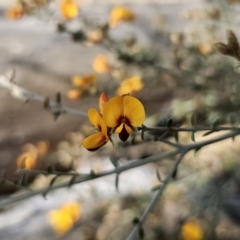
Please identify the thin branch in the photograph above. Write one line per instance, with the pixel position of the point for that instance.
(185, 149)
(118, 170)
(188, 129)
(155, 199)
(25, 95)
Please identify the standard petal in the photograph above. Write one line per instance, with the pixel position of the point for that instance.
(95, 117)
(94, 141)
(112, 111)
(133, 110)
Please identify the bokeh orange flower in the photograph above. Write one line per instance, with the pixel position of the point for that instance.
(119, 14)
(28, 158)
(130, 85)
(96, 140)
(101, 64)
(74, 94)
(123, 114)
(191, 231)
(69, 9)
(15, 12)
(62, 220)
(84, 81)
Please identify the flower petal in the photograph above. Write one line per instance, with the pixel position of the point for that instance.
(123, 135)
(113, 111)
(133, 110)
(119, 129)
(128, 129)
(103, 99)
(95, 117)
(94, 141)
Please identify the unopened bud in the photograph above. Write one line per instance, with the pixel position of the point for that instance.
(222, 48)
(232, 44)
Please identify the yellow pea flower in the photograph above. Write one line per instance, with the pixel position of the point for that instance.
(27, 161)
(103, 99)
(69, 9)
(119, 14)
(123, 114)
(101, 64)
(191, 231)
(96, 140)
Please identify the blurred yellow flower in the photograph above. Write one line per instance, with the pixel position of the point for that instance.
(62, 220)
(27, 159)
(84, 81)
(94, 36)
(42, 147)
(119, 14)
(130, 85)
(69, 9)
(191, 231)
(101, 64)
(74, 94)
(205, 48)
(15, 12)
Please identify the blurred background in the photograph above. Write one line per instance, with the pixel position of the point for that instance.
(161, 52)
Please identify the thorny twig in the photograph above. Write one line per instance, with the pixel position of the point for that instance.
(25, 95)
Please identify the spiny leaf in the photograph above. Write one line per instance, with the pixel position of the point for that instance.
(141, 233)
(46, 103)
(197, 149)
(114, 162)
(163, 122)
(175, 135)
(72, 180)
(58, 97)
(117, 181)
(174, 174)
(44, 194)
(193, 136)
(50, 169)
(169, 122)
(193, 120)
(53, 180)
(208, 132)
(158, 176)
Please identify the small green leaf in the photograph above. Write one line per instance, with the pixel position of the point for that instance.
(169, 122)
(46, 103)
(114, 162)
(72, 180)
(174, 174)
(58, 97)
(208, 132)
(53, 180)
(193, 136)
(141, 233)
(158, 176)
(117, 181)
(50, 169)
(193, 120)
(175, 135)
